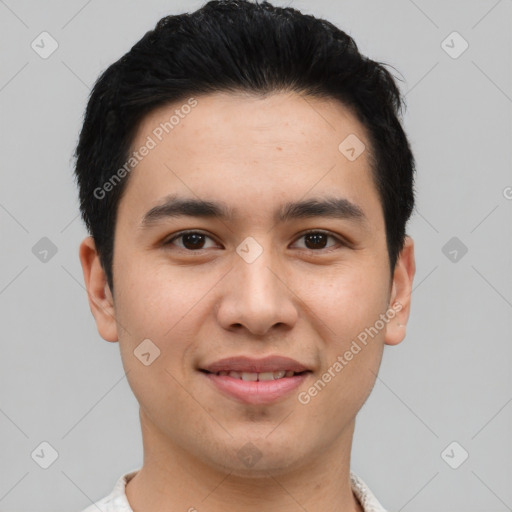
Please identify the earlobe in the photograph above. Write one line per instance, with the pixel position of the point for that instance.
(100, 298)
(400, 296)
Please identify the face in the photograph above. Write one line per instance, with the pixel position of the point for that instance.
(278, 277)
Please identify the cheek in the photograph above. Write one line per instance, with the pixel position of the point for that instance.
(163, 304)
(151, 307)
(148, 301)
(346, 299)
(351, 350)
(347, 305)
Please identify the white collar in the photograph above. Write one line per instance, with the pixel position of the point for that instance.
(116, 501)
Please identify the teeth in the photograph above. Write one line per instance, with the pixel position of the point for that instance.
(253, 377)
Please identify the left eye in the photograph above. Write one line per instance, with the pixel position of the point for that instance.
(195, 240)
(317, 240)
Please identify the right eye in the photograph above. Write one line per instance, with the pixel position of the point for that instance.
(191, 240)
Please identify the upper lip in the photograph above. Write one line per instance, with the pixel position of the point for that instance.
(252, 365)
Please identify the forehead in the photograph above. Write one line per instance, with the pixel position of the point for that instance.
(244, 149)
(224, 117)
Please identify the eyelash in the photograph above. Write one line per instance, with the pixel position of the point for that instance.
(339, 241)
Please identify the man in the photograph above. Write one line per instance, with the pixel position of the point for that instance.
(246, 184)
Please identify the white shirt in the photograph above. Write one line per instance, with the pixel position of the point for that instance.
(116, 501)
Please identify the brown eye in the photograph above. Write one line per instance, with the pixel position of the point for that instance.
(191, 241)
(317, 240)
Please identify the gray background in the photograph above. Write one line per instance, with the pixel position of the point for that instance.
(450, 380)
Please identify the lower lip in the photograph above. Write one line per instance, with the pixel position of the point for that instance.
(258, 392)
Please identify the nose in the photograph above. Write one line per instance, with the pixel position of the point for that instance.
(257, 297)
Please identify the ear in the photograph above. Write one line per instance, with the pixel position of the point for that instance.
(101, 301)
(400, 298)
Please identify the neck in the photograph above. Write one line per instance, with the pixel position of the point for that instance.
(170, 475)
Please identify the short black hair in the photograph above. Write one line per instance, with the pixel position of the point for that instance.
(239, 46)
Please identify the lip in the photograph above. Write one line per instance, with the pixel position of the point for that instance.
(256, 392)
(249, 364)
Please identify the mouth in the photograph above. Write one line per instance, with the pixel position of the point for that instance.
(256, 381)
(255, 376)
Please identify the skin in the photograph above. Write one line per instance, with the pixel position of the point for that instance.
(295, 299)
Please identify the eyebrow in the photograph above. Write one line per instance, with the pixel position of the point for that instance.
(331, 207)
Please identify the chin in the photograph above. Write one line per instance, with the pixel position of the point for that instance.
(261, 469)
(258, 458)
